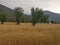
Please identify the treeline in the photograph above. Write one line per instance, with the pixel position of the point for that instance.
(37, 16)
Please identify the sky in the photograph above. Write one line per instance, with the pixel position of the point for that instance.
(51, 5)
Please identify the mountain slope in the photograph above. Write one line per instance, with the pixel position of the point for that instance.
(10, 14)
(52, 16)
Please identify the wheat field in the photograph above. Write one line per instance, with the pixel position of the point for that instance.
(26, 34)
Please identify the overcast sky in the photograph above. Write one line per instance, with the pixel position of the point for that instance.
(52, 5)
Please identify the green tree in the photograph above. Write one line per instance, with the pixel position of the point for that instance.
(2, 18)
(18, 14)
(36, 14)
(45, 18)
(23, 19)
(33, 13)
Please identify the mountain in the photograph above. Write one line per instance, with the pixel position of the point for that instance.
(10, 14)
(52, 16)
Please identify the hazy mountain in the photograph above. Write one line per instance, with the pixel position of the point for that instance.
(8, 11)
(52, 16)
(10, 14)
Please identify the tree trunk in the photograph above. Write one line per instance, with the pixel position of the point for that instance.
(2, 22)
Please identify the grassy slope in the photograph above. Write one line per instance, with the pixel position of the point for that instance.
(25, 34)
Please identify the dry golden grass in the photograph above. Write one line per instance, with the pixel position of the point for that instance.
(26, 34)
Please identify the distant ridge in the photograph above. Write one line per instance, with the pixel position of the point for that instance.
(8, 11)
(6, 7)
(53, 16)
(10, 14)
